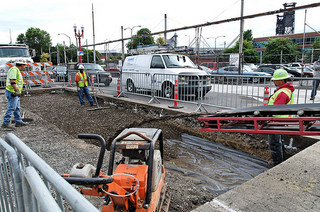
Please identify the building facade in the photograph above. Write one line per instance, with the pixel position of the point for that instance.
(310, 38)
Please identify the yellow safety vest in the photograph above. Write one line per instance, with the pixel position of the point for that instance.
(83, 81)
(18, 80)
(273, 98)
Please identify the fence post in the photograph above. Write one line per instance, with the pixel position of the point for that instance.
(266, 95)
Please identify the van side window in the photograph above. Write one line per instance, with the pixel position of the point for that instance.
(156, 62)
(210, 65)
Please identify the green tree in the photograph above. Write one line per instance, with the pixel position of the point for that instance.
(141, 38)
(250, 54)
(247, 35)
(36, 39)
(280, 47)
(315, 54)
(160, 41)
(44, 57)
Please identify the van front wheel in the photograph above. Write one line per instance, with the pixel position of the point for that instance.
(167, 90)
(130, 86)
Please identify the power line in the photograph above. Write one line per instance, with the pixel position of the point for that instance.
(219, 22)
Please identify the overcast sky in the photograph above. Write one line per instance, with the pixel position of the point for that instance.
(59, 16)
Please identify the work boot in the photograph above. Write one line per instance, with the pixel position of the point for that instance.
(7, 126)
(311, 98)
(21, 124)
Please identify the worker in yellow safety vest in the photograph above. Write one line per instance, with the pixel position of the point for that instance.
(81, 79)
(281, 96)
(14, 84)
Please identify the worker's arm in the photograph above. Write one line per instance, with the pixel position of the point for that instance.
(14, 85)
(76, 79)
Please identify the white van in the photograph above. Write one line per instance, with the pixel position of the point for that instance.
(160, 72)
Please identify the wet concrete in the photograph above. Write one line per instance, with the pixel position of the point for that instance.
(213, 166)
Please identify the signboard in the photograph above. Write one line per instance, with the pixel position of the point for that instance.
(80, 53)
(234, 59)
(120, 63)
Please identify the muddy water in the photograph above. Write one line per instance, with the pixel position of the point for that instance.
(213, 166)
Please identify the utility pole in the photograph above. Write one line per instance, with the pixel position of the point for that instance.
(241, 41)
(165, 28)
(304, 35)
(122, 45)
(58, 55)
(64, 52)
(94, 46)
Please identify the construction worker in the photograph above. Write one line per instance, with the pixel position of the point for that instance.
(81, 79)
(316, 74)
(281, 96)
(14, 84)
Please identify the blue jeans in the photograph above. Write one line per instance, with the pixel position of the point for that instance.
(85, 90)
(13, 108)
(315, 87)
(276, 148)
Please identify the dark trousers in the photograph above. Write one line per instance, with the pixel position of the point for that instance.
(276, 148)
(315, 87)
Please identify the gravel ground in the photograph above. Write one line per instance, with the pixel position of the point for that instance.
(58, 118)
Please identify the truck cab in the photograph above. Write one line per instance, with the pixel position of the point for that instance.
(10, 53)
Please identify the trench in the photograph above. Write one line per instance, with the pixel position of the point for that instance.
(212, 166)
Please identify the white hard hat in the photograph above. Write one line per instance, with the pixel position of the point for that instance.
(21, 62)
(80, 67)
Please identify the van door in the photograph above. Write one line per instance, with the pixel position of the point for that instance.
(142, 73)
(157, 68)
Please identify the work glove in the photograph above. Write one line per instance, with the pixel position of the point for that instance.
(78, 89)
(17, 93)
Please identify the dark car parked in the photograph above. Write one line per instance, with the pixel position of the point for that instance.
(294, 72)
(91, 69)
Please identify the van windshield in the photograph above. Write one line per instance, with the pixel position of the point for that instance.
(178, 61)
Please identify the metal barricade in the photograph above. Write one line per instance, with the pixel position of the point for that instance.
(11, 198)
(39, 181)
(224, 91)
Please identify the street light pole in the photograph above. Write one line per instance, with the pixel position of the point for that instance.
(215, 41)
(79, 35)
(69, 43)
(131, 29)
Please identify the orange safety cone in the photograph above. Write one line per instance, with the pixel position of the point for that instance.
(69, 79)
(118, 86)
(92, 82)
(176, 97)
(266, 95)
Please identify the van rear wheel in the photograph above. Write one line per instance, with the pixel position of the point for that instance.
(167, 90)
(130, 86)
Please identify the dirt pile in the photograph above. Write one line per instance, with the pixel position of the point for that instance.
(62, 113)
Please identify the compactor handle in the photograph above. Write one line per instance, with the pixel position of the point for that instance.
(102, 150)
(88, 181)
